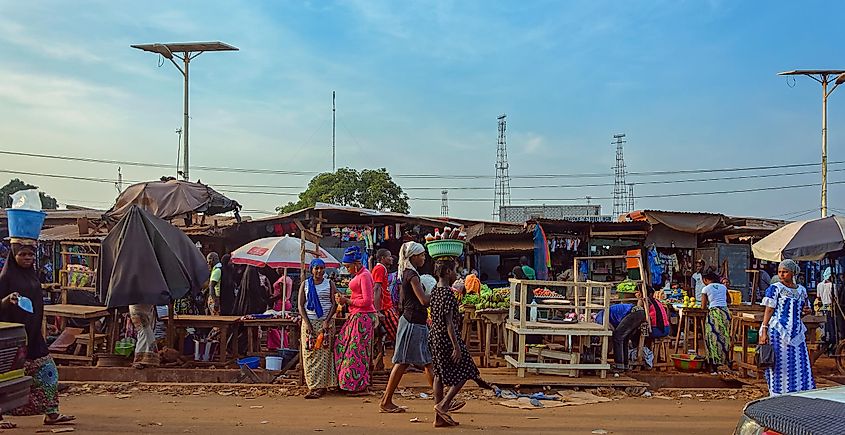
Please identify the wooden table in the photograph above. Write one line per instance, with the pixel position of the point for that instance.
(691, 319)
(83, 312)
(223, 323)
(252, 325)
(491, 319)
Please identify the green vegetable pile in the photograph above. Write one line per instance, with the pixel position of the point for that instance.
(627, 286)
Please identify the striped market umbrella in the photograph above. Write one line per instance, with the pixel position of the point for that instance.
(280, 252)
(803, 240)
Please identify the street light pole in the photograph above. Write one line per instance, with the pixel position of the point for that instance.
(825, 77)
(184, 51)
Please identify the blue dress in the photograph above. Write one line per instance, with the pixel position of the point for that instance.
(791, 371)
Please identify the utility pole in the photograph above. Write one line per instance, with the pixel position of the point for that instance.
(119, 184)
(502, 194)
(444, 203)
(179, 152)
(825, 77)
(334, 168)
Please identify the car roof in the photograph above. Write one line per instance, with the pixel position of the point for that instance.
(835, 394)
(810, 412)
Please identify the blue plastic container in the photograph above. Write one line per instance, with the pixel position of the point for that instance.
(252, 362)
(25, 224)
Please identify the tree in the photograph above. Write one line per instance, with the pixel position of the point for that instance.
(370, 188)
(16, 185)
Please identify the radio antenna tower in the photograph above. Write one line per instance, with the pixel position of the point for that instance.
(631, 198)
(503, 179)
(620, 187)
(334, 168)
(444, 203)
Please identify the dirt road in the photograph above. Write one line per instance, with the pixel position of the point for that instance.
(161, 413)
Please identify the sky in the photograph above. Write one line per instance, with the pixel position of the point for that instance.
(419, 86)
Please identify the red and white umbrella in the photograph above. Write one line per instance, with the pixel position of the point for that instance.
(280, 252)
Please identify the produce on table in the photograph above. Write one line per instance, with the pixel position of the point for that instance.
(470, 299)
(472, 284)
(502, 291)
(545, 293)
(627, 286)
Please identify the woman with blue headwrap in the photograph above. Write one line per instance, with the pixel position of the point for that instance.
(316, 303)
(353, 350)
(785, 302)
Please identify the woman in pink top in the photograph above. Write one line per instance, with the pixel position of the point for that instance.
(352, 353)
(283, 284)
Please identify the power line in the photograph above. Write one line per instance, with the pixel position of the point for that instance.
(411, 176)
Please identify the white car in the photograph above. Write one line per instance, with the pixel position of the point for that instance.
(815, 412)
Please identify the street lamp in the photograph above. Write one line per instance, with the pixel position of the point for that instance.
(184, 51)
(825, 77)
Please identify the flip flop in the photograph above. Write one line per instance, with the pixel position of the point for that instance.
(457, 405)
(446, 417)
(396, 410)
(61, 419)
(314, 395)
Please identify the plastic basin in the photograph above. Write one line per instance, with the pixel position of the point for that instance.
(252, 362)
(688, 363)
(445, 248)
(25, 223)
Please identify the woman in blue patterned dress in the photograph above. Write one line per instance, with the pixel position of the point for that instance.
(785, 302)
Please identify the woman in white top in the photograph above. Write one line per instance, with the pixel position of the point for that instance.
(317, 307)
(714, 296)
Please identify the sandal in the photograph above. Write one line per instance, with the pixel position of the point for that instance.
(457, 405)
(314, 394)
(447, 419)
(7, 425)
(60, 419)
(395, 410)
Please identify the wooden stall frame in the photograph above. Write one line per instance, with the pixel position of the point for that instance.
(522, 327)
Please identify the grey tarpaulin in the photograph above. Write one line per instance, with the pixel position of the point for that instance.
(170, 199)
(804, 240)
(146, 260)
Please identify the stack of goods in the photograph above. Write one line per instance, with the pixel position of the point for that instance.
(448, 233)
(627, 286)
(487, 298)
(541, 294)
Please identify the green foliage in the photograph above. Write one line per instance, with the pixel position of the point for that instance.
(370, 188)
(16, 185)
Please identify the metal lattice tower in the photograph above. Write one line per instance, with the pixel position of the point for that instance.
(620, 187)
(631, 198)
(444, 203)
(503, 180)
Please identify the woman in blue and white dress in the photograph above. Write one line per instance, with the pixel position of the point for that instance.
(785, 302)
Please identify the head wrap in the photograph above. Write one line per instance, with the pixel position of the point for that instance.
(317, 262)
(352, 254)
(312, 298)
(827, 273)
(790, 265)
(408, 250)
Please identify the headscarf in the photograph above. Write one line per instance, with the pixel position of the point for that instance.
(14, 278)
(227, 285)
(252, 298)
(408, 250)
(827, 274)
(352, 254)
(790, 265)
(312, 302)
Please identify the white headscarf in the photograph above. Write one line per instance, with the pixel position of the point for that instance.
(408, 250)
(428, 283)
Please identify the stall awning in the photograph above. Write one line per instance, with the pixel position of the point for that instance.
(493, 246)
(694, 223)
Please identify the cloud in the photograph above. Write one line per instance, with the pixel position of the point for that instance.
(527, 142)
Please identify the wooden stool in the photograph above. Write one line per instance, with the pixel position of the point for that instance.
(83, 341)
(472, 332)
(662, 356)
(494, 324)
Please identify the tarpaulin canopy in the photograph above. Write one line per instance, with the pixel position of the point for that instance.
(146, 260)
(169, 199)
(695, 223)
(808, 240)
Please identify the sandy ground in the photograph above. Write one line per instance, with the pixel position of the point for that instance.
(167, 413)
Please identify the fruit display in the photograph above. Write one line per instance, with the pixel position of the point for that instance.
(690, 302)
(470, 299)
(545, 293)
(502, 291)
(492, 301)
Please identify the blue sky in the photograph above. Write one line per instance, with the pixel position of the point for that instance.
(420, 84)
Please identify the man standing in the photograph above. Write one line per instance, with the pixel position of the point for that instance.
(214, 283)
(388, 316)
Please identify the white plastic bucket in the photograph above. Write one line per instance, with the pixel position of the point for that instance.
(273, 363)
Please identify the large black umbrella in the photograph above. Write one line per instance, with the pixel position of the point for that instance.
(146, 260)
